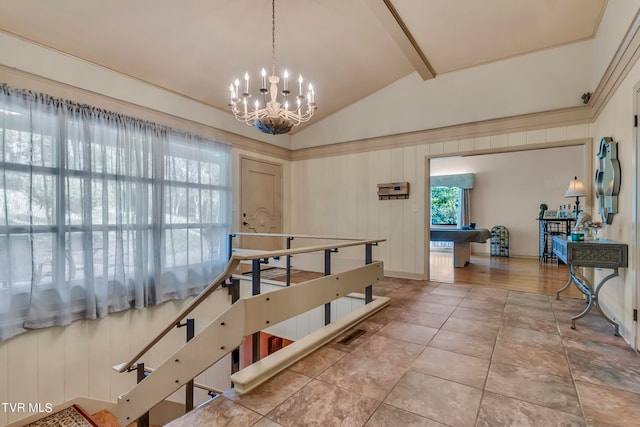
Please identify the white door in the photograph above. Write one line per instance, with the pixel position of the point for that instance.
(635, 218)
(261, 203)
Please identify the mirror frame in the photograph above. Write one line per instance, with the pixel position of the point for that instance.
(607, 179)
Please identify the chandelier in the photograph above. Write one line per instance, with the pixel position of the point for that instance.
(268, 115)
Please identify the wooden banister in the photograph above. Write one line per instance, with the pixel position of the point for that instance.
(231, 267)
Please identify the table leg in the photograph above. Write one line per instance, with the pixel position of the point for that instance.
(461, 253)
(616, 327)
(563, 288)
(591, 293)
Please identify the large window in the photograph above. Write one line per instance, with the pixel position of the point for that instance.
(100, 212)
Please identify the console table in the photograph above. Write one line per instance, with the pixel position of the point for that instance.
(593, 254)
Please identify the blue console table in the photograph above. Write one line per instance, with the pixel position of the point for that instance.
(592, 254)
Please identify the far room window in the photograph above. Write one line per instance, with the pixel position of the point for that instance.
(444, 205)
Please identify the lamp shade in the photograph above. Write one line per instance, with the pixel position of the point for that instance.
(576, 188)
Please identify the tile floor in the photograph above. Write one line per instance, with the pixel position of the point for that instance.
(452, 355)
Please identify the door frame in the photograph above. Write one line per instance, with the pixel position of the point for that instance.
(635, 216)
(587, 149)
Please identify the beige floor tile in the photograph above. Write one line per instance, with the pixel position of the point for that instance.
(444, 401)
(605, 364)
(442, 299)
(323, 404)
(408, 332)
(481, 347)
(456, 367)
(387, 415)
(537, 358)
(318, 361)
(422, 318)
(270, 394)
(609, 406)
(533, 338)
(488, 316)
(429, 307)
(471, 327)
(389, 350)
(497, 410)
(533, 312)
(482, 305)
(518, 319)
(533, 386)
(218, 412)
(450, 291)
(369, 377)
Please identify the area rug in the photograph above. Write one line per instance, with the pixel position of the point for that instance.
(73, 416)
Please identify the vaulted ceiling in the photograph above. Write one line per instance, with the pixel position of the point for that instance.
(349, 49)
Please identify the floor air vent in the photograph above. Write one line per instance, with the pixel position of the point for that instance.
(352, 336)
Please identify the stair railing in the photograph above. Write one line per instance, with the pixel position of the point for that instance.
(245, 317)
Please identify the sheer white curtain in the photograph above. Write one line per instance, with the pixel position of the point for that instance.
(101, 212)
(464, 207)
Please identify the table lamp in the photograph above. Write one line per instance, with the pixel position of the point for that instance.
(576, 189)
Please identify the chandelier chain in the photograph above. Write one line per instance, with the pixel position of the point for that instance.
(273, 37)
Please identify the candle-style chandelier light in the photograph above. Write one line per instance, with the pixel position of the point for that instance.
(269, 115)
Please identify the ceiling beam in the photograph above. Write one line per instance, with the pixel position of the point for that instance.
(396, 28)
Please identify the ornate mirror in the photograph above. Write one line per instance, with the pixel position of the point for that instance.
(608, 179)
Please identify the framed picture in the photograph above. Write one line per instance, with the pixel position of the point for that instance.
(550, 214)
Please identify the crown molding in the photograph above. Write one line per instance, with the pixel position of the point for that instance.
(521, 123)
(623, 60)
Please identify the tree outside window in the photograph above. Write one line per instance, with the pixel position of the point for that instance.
(444, 205)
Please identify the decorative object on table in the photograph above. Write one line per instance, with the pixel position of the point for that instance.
(581, 227)
(576, 189)
(550, 214)
(608, 179)
(595, 227)
(583, 221)
(543, 209)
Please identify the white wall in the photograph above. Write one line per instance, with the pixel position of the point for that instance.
(337, 195)
(509, 188)
(55, 365)
(616, 121)
(545, 80)
(617, 17)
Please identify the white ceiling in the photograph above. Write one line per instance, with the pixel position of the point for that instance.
(348, 49)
